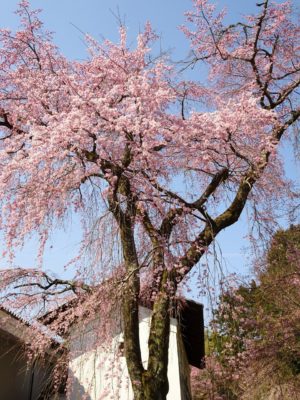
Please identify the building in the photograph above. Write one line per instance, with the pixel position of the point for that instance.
(97, 371)
(21, 379)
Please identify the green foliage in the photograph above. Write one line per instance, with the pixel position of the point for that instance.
(256, 327)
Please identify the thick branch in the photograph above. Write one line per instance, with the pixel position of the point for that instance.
(53, 283)
(233, 212)
(218, 178)
(130, 306)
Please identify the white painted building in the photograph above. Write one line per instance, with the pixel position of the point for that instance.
(98, 372)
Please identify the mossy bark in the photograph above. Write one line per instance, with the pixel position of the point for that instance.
(151, 383)
(155, 379)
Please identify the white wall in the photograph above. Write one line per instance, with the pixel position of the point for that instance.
(98, 373)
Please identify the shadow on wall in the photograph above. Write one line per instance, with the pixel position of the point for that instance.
(78, 391)
(19, 381)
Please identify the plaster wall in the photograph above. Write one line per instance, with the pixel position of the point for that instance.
(98, 373)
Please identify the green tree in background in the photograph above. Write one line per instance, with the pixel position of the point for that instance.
(255, 344)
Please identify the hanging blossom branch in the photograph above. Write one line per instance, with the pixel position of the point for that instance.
(102, 136)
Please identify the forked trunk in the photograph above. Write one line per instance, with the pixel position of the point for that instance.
(155, 388)
(154, 383)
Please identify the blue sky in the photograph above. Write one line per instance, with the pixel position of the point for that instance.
(96, 17)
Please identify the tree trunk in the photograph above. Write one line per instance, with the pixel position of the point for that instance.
(155, 385)
(154, 389)
(152, 383)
